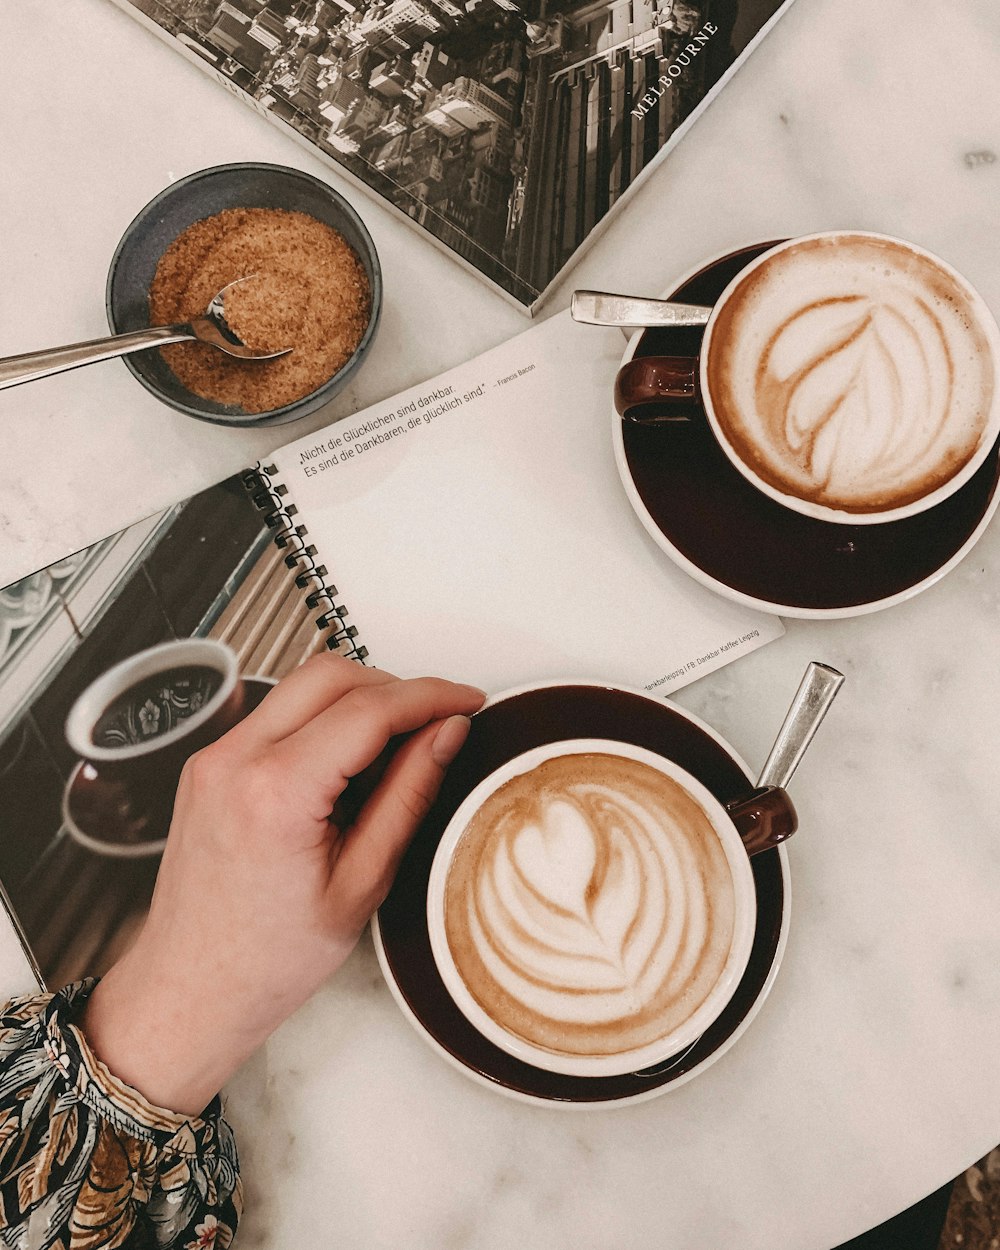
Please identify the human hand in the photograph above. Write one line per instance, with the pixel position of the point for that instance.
(262, 894)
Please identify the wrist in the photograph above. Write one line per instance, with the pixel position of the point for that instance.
(168, 1038)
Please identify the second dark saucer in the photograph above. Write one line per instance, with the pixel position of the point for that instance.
(732, 538)
(502, 730)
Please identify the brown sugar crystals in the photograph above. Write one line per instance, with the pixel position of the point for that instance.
(310, 293)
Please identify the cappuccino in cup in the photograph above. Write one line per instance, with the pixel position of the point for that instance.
(850, 376)
(591, 908)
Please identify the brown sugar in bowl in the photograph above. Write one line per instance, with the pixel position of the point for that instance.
(268, 198)
(301, 285)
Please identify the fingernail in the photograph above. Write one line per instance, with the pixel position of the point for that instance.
(449, 738)
(473, 689)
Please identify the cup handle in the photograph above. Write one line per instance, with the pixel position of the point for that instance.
(765, 818)
(648, 380)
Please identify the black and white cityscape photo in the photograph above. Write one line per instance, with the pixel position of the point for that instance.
(506, 128)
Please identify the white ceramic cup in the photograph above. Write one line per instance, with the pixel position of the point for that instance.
(690, 1028)
(651, 380)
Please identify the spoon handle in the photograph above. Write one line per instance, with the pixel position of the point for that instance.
(25, 368)
(816, 692)
(601, 308)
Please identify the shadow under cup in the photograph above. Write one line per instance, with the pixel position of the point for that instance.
(136, 726)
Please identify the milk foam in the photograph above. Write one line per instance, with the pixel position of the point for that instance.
(851, 372)
(590, 905)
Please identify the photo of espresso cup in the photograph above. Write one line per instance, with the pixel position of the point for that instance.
(137, 724)
(591, 906)
(849, 376)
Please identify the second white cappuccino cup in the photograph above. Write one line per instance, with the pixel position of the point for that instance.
(591, 908)
(849, 376)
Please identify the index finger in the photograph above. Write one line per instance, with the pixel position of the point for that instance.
(305, 692)
(344, 739)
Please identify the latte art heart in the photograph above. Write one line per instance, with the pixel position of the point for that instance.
(589, 907)
(851, 373)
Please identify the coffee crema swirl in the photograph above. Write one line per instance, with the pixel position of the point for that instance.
(851, 373)
(589, 907)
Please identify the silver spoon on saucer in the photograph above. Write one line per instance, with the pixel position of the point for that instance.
(212, 328)
(603, 308)
(811, 703)
(759, 824)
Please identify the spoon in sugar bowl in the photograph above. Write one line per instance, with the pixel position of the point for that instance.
(212, 328)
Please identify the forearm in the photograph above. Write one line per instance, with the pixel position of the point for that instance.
(176, 1052)
(176, 1028)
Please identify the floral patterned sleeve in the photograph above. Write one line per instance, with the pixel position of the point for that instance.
(86, 1161)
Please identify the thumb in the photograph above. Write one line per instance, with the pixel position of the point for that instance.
(373, 846)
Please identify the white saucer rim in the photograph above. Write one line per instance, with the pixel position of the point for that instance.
(723, 588)
(645, 1095)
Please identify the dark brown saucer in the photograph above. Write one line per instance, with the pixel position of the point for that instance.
(709, 519)
(505, 728)
(101, 815)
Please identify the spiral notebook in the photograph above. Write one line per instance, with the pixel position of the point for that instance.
(473, 526)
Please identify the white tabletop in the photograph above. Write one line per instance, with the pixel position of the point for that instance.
(870, 1076)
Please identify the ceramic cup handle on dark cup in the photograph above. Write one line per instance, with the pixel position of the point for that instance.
(645, 383)
(764, 818)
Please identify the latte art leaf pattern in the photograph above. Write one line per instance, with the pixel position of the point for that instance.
(566, 912)
(863, 387)
(852, 372)
(590, 905)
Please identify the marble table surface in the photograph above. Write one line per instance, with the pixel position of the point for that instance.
(870, 1076)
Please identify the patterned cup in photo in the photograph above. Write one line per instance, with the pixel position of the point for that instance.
(137, 724)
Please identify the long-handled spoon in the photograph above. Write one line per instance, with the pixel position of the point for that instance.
(766, 816)
(212, 328)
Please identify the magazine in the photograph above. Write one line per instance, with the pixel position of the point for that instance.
(507, 129)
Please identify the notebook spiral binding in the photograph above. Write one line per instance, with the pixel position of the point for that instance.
(279, 516)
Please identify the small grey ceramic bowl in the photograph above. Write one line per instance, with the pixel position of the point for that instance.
(202, 195)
